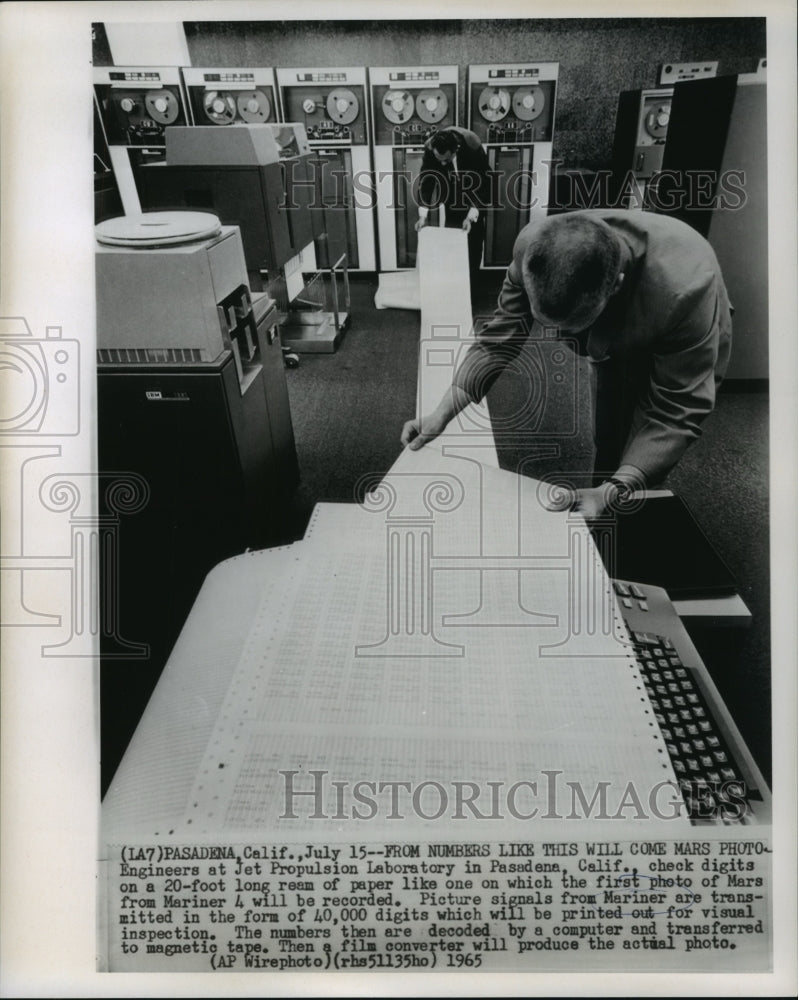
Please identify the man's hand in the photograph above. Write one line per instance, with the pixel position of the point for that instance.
(417, 433)
(420, 223)
(467, 226)
(590, 503)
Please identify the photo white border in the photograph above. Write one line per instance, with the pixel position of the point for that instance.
(50, 782)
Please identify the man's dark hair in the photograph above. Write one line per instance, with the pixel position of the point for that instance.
(570, 267)
(444, 142)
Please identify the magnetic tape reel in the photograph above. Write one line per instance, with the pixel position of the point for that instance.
(342, 106)
(656, 121)
(397, 106)
(162, 106)
(493, 103)
(253, 106)
(431, 105)
(219, 107)
(528, 103)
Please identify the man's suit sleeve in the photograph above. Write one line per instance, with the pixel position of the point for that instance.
(686, 366)
(478, 193)
(499, 341)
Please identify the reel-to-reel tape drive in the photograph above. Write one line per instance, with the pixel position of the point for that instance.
(430, 105)
(511, 109)
(331, 104)
(135, 106)
(408, 104)
(527, 103)
(341, 105)
(641, 131)
(656, 118)
(231, 96)
(512, 104)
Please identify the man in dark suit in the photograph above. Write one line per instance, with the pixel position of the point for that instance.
(455, 173)
(642, 297)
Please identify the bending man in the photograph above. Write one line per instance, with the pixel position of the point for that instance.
(643, 297)
(455, 173)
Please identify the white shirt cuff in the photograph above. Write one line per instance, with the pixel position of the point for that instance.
(423, 211)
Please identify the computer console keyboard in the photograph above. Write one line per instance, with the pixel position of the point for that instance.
(717, 776)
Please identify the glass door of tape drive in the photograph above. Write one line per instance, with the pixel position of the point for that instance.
(718, 778)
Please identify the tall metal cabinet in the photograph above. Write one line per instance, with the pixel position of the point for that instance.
(197, 413)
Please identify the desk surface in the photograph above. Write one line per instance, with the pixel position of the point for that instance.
(448, 627)
(729, 610)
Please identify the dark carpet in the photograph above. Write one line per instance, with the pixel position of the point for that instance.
(348, 408)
